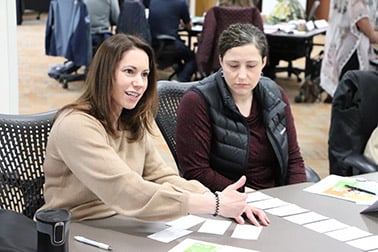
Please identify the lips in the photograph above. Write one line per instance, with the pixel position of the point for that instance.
(131, 93)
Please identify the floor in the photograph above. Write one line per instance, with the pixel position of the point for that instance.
(38, 92)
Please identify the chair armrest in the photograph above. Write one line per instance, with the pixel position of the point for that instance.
(361, 163)
(311, 175)
(165, 37)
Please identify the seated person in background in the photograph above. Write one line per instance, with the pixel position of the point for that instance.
(103, 15)
(237, 122)
(371, 148)
(216, 20)
(239, 3)
(165, 17)
(100, 157)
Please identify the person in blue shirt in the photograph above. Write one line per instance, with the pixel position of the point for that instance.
(165, 17)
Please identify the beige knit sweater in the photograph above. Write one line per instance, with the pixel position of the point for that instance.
(95, 175)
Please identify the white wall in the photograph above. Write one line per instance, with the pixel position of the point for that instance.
(8, 59)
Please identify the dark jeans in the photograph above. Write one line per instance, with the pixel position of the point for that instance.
(97, 39)
(189, 66)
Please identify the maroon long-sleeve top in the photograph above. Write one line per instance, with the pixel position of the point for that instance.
(193, 143)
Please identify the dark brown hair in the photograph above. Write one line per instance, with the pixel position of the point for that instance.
(242, 34)
(96, 99)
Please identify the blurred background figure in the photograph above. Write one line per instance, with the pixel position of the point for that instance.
(217, 19)
(165, 18)
(240, 3)
(350, 35)
(133, 20)
(103, 15)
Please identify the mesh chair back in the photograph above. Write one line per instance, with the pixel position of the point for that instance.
(23, 141)
(170, 93)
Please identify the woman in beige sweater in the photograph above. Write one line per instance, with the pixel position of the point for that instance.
(100, 159)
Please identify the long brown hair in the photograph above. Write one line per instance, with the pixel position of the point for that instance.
(96, 99)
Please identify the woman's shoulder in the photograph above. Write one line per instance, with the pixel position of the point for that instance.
(75, 119)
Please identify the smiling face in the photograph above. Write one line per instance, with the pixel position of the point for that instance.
(131, 80)
(242, 67)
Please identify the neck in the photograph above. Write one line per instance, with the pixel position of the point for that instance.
(244, 104)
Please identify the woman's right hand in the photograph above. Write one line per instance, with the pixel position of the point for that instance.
(232, 202)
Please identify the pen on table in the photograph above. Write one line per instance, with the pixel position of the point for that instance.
(359, 189)
(93, 243)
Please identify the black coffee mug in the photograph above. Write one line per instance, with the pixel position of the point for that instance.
(53, 230)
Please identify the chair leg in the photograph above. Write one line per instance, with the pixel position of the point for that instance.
(171, 75)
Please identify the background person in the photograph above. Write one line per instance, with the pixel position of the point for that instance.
(348, 42)
(216, 19)
(100, 159)
(103, 15)
(165, 17)
(237, 122)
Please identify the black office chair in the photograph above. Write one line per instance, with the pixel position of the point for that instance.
(23, 141)
(166, 54)
(353, 119)
(170, 94)
(75, 47)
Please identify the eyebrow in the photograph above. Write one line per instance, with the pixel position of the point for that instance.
(238, 61)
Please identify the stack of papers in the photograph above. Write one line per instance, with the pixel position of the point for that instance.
(357, 190)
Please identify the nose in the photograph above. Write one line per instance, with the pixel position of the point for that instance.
(242, 74)
(138, 81)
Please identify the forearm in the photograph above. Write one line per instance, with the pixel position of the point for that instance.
(201, 203)
(365, 27)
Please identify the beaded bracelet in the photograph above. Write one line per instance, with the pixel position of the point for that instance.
(216, 204)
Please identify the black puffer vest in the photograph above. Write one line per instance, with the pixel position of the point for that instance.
(230, 133)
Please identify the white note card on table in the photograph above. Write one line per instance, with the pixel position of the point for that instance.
(326, 225)
(269, 203)
(286, 210)
(186, 222)
(367, 243)
(247, 232)
(348, 234)
(169, 234)
(214, 226)
(305, 218)
(257, 196)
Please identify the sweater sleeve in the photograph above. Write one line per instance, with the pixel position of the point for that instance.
(130, 178)
(193, 140)
(206, 43)
(296, 171)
